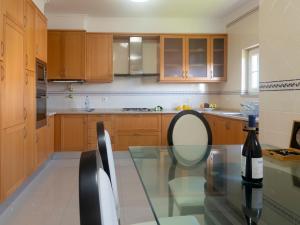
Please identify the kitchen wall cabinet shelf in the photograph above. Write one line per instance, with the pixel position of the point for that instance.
(193, 58)
(66, 55)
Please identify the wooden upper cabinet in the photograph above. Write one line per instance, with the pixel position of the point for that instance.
(99, 57)
(29, 25)
(55, 55)
(172, 56)
(73, 132)
(12, 159)
(193, 58)
(219, 58)
(13, 77)
(1, 30)
(67, 55)
(41, 36)
(14, 9)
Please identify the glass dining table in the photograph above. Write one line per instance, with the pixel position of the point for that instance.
(205, 182)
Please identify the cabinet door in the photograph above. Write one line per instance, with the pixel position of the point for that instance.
(172, 58)
(30, 120)
(165, 123)
(1, 30)
(29, 35)
(219, 57)
(92, 130)
(50, 135)
(14, 9)
(197, 58)
(137, 138)
(55, 69)
(99, 57)
(41, 36)
(74, 54)
(13, 79)
(138, 122)
(73, 133)
(42, 145)
(12, 159)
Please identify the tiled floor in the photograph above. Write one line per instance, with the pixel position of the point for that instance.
(52, 197)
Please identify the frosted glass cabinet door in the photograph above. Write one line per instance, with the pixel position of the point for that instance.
(219, 58)
(197, 60)
(172, 54)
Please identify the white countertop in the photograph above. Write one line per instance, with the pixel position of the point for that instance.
(223, 113)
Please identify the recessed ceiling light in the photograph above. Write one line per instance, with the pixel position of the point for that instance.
(139, 0)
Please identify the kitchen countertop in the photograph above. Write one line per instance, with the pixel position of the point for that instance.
(223, 113)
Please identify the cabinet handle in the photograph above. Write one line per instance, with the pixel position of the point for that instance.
(25, 132)
(25, 21)
(2, 48)
(2, 73)
(26, 59)
(227, 126)
(25, 114)
(26, 78)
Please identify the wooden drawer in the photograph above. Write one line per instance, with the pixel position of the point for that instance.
(137, 138)
(140, 122)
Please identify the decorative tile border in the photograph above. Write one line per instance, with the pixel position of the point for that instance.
(280, 85)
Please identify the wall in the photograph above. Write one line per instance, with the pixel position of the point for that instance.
(40, 4)
(280, 54)
(241, 34)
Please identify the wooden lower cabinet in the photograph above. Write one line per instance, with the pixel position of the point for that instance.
(92, 129)
(137, 138)
(42, 145)
(71, 133)
(12, 159)
(226, 131)
(165, 123)
(50, 134)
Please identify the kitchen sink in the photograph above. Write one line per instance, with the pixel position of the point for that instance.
(83, 109)
(232, 114)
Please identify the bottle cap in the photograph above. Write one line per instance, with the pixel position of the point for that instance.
(251, 121)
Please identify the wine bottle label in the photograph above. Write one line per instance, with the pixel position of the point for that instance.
(243, 166)
(257, 168)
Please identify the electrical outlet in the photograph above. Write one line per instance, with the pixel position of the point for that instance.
(104, 99)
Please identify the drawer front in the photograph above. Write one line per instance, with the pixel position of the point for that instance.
(141, 122)
(126, 139)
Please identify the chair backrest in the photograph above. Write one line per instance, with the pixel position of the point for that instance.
(189, 127)
(105, 150)
(89, 202)
(107, 202)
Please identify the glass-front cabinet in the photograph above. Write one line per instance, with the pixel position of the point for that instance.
(193, 58)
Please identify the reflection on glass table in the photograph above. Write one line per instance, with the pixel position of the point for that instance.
(205, 182)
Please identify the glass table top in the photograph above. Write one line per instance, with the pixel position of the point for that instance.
(205, 183)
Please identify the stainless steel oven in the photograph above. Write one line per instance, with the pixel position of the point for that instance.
(41, 93)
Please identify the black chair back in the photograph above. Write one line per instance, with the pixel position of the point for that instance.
(102, 147)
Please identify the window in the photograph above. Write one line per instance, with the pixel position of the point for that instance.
(250, 80)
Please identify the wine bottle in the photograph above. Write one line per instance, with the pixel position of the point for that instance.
(252, 203)
(252, 161)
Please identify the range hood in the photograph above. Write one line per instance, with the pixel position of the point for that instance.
(135, 55)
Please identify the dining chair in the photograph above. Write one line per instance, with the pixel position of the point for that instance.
(106, 152)
(190, 136)
(189, 127)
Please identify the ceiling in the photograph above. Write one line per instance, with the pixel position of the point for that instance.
(152, 8)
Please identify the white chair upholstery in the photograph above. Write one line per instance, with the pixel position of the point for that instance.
(112, 171)
(108, 207)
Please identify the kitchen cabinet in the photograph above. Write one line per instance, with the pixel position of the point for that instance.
(13, 78)
(12, 159)
(50, 135)
(226, 130)
(73, 133)
(92, 129)
(14, 9)
(137, 130)
(29, 24)
(1, 29)
(40, 35)
(165, 123)
(30, 121)
(42, 145)
(67, 53)
(193, 58)
(99, 56)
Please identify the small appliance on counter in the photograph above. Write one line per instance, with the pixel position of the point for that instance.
(41, 94)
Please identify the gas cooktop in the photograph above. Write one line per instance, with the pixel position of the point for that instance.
(137, 109)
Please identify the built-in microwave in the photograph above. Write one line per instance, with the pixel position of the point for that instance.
(41, 93)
